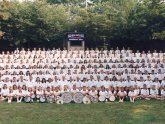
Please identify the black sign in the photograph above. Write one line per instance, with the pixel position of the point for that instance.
(75, 36)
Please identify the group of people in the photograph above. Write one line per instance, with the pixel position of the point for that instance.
(34, 74)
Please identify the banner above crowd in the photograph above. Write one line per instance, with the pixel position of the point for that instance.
(72, 36)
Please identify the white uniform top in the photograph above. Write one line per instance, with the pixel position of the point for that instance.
(111, 94)
(106, 84)
(24, 92)
(148, 83)
(131, 93)
(19, 93)
(84, 84)
(153, 92)
(93, 93)
(122, 92)
(163, 92)
(136, 91)
(163, 83)
(84, 92)
(62, 91)
(74, 91)
(39, 92)
(15, 92)
(5, 92)
(102, 93)
(144, 92)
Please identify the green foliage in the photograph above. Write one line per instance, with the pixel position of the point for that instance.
(43, 23)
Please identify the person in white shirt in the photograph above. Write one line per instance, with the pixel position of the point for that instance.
(156, 83)
(10, 95)
(84, 91)
(154, 92)
(74, 89)
(19, 95)
(39, 93)
(15, 90)
(93, 92)
(163, 82)
(112, 91)
(163, 93)
(65, 89)
(133, 94)
(144, 92)
(57, 91)
(4, 92)
(24, 91)
(30, 93)
(49, 95)
(102, 92)
(121, 94)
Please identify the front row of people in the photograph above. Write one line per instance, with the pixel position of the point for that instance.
(24, 94)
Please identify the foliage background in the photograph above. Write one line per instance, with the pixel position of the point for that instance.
(111, 23)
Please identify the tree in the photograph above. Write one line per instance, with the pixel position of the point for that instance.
(35, 23)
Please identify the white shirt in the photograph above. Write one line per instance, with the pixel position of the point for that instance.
(153, 92)
(102, 93)
(93, 93)
(84, 92)
(145, 92)
(5, 92)
(162, 92)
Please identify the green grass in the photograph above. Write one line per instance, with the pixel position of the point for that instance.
(141, 112)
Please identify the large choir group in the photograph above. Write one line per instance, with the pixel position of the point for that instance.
(63, 76)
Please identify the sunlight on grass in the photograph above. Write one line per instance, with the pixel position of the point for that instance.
(139, 110)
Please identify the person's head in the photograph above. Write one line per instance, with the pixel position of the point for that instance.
(14, 87)
(24, 87)
(84, 88)
(144, 86)
(4, 86)
(48, 89)
(93, 88)
(102, 88)
(131, 88)
(43, 80)
(30, 89)
(122, 89)
(37, 79)
(65, 87)
(49, 80)
(57, 89)
(74, 87)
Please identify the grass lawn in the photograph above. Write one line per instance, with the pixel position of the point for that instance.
(140, 112)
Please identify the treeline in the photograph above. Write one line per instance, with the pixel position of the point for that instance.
(108, 23)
